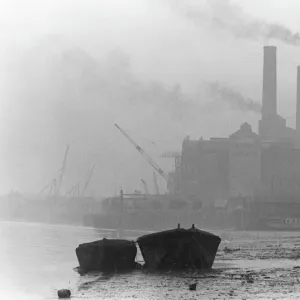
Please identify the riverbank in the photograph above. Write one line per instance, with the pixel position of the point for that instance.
(38, 259)
(261, 266)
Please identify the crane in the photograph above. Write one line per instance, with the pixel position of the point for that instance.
(62, 171)
(154, 165)
(51, 185)
(156, 188)
(171, 154)
(88, 180)
(54, 185)
(74, 190)
(145, 186)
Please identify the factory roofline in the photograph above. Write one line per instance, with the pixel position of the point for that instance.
(244, 130)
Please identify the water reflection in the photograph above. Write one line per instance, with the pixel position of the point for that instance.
(37, 260)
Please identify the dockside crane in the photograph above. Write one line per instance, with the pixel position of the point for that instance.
(51, 185)
(55, 184)
(145, 186)
(88, 180)
(173, 154)
(62, 171)
(154, 165)
(74, 191)
(156, 188)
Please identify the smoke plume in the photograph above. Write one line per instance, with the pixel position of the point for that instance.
(224, 15)
(61, 95)
(234, 99)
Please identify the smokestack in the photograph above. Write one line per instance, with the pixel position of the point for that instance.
(298, 101)
(269, 97)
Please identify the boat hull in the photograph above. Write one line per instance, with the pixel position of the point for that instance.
(106, 255)
(179, 249)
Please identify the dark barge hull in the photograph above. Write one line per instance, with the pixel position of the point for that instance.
(106, 255)
(179, 249)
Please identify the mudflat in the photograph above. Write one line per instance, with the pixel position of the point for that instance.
(248, 265)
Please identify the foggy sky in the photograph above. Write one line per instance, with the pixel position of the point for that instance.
(229, 16)
(72, 69)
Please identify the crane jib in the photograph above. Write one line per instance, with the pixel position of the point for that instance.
(149, 159)
(160, 171)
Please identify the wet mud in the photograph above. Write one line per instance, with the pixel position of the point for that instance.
(247, 266)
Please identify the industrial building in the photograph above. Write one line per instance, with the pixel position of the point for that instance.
(259, 166)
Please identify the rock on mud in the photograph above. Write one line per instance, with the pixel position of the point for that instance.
(64, 293)
(106, 255)
(192, 286)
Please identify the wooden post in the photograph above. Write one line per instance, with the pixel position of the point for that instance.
(120, 227)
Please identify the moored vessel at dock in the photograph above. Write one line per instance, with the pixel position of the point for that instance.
(144, 212)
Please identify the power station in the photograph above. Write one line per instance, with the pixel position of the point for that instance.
(247, 180)
(261, 169)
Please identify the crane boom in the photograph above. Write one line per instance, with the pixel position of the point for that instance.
(75, 189)
(62, 171)
(156, 188)
(88, 180)
(145, 186)
(53, 186)
(149, 159)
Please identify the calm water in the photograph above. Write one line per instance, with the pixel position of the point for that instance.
(36, 260)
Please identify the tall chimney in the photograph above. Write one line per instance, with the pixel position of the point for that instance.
(298, 101)
(269, 96)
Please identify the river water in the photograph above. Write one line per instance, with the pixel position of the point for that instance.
(38, 259)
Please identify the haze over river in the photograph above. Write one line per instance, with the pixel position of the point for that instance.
(38, 259)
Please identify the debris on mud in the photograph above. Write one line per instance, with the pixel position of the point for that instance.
(228, 250)
(192, 286)
(64, 293)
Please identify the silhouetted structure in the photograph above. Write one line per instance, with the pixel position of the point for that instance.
(258, 167)
(179, 249)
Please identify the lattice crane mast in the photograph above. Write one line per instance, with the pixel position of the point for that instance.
(154, 165)
(145, 186)
(62, 172)
(156, 187)
(88, 180)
